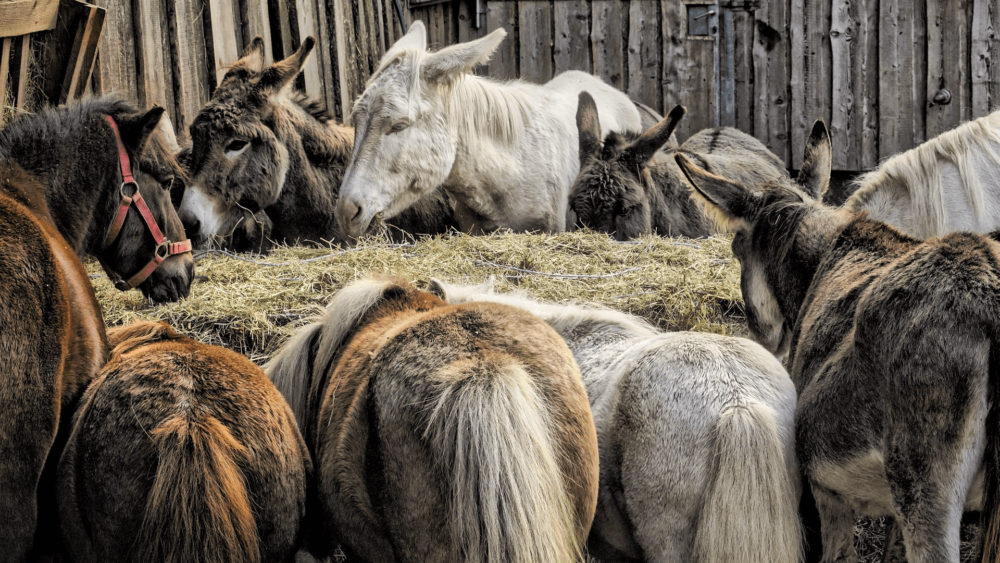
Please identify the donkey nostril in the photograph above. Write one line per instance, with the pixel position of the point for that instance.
(356, 215)
(191, 226)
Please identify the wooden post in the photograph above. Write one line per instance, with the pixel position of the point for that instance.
(535, 37)
(572, 40)
(83, 54)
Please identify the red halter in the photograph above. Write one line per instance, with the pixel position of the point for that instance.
(164, 248)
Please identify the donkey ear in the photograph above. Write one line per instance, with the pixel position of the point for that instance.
(166, 128)
(136, 129)
(415, 38)
(281, 74)
(589, 125)
(456, 59)
(643, 148)
(253, 56)
(727, 203)
(817, 164)
(439, 288)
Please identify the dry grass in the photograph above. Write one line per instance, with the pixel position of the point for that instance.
(251, 308)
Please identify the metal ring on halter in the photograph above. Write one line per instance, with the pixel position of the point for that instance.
(165, 247)
(135, 188)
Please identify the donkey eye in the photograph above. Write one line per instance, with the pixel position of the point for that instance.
(235, 145)
(168, 184)
(398, 126)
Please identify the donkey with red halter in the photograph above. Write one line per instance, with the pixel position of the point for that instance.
(59, 187)
(894, 348)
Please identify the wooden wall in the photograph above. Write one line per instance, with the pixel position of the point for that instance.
(172, 53)
(870, 68)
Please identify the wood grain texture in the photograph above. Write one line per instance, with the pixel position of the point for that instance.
(24, 59)
(282, 12)
(948, 41)
(902, 68)
(689, 71)
(306, 16)
(117, 48)
(504, 64)
(191, 70)
(255, 21)
(225, 23)
(609, 20)
(155, 79)
(772, 73)
(363, 41)
(743, 74)
(80, 64)
(572, 50)
(467, 30)
(21, 17)
(812, 71)
(854, 119)
(535, 37)
(985, 57)
(644, 53)
(347, 60)
(5, 46)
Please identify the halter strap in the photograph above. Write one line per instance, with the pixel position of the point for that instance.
(164, 248)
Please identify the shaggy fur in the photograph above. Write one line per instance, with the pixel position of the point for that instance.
(506, 152)
(441, 433)
(695, 434)
(181, 452)
(629, 187)
(72, 154)
(892, 344)
(945, 185)
(266, 164)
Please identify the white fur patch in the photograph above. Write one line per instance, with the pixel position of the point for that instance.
(198, 205)
(765, 307)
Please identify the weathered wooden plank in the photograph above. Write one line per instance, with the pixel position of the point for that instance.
(689, 70)
(5, 45)
(399, 23)
(225, 36)
(363, 40)
(948, 40)
(347, 61)
(191, 72)
(853, 38)
(644, 53)
(535, 37)
(771, 67)
(437, 27)
(467, 30)
(572, 41)
(811, 71)
(608, 19)
(902, 67)
(378, 21)
(22, 71)
(155, 81)
(305, 11)
(327, 56)
(727, 67)
(504, 63)
(743, 76)
(118, 69)
(985, 57)
(283, 13)
(255, 21)
(80, 63)
(21, 17)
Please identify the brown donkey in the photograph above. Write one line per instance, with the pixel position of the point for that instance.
(441, 433)
(266, 164)
(894, 348)
(181, 452)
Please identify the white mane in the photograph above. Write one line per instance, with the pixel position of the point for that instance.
(969, 147)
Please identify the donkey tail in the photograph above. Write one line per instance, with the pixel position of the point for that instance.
(990, 519)
(198, 508)
(750, 511)
(508, 500)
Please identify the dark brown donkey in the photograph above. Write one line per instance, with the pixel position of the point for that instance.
(441, 433)
(266, 164)
(59, 187)
(181, 452)
(894, 347)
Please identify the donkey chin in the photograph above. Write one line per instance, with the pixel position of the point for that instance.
(171, 281)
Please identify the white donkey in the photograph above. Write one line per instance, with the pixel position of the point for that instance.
(950, 183)
(507, 152)
(696, 438)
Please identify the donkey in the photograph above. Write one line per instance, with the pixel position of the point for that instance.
(695, 434)
(628, 187)
(441, 433)
(506, 152)
(945, 185)
(59, 190)
(892, 343)
(266, 164)
(181, 452)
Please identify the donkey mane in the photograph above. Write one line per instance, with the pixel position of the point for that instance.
(303, 362)
(315, 108)
(922, 166)
(50, 126)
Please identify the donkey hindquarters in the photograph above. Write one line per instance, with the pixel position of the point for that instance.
(181, 452)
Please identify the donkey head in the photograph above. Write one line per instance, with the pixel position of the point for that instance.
(611, 192)
(781, 231)
(404, 143)
(148, 136)
(238, 163)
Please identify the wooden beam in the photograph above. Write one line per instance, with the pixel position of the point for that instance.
(225, 36)
(156, 81)
(644, 54)
(118, 61)
(191, 70)
(306, 12)
(256, 22)
(83, 54)
(347, 63)
(948, 40)
(985, 57)
(22, 17)
(854, 120)
(608, 23)
(22, 72)
(902, 67)
(4, 72)
(771, 64)
(503, 64)
(812, 72)
(572, 41)
(535, 37)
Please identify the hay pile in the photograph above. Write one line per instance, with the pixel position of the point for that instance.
(252, 306)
